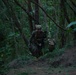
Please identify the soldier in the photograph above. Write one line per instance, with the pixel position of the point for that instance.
(37, 40)
(51, 44)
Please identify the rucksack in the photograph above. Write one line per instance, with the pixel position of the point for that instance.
(39, 35)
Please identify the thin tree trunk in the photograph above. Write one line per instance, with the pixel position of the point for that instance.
(36, 12)
(22, 7)
(73, 3)
(29, 17)
(62, 23)
(15, 51)
(65, 12)
(49, 16)
(15, 19)
(72, 8)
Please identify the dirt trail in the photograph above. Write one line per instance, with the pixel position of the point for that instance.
(42, 70)
(43, 67)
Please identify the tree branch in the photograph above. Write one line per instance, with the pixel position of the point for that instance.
(71, 8)
(15, 20)
(65, 12)
(30, 19)
(73, 3)
(24, 9)
(48, 15)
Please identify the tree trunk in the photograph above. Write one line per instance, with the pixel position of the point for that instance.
(62, 23)
(36, 12)
(29, 17)
(15, 19)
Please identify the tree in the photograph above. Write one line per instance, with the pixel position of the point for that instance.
(36, 12)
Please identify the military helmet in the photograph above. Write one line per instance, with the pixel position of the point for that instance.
(38, 26)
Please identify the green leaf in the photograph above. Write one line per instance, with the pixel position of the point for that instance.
(74, 29)
(69, 30)
(71, 24)
(11, 34)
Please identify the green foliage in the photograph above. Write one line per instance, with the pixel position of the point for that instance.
(24, 73)
(13, 44)
(71, 24)
(57, 52)
(74, 29)
(11, 35)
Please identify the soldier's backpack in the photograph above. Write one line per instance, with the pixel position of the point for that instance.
(39, 36)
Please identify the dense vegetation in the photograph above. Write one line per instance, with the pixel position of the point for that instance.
(18, 19)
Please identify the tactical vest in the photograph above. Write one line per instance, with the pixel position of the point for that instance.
(39, 35)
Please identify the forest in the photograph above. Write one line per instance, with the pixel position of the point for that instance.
(37, 37)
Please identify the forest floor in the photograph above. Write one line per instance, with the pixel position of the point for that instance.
(64, 64)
